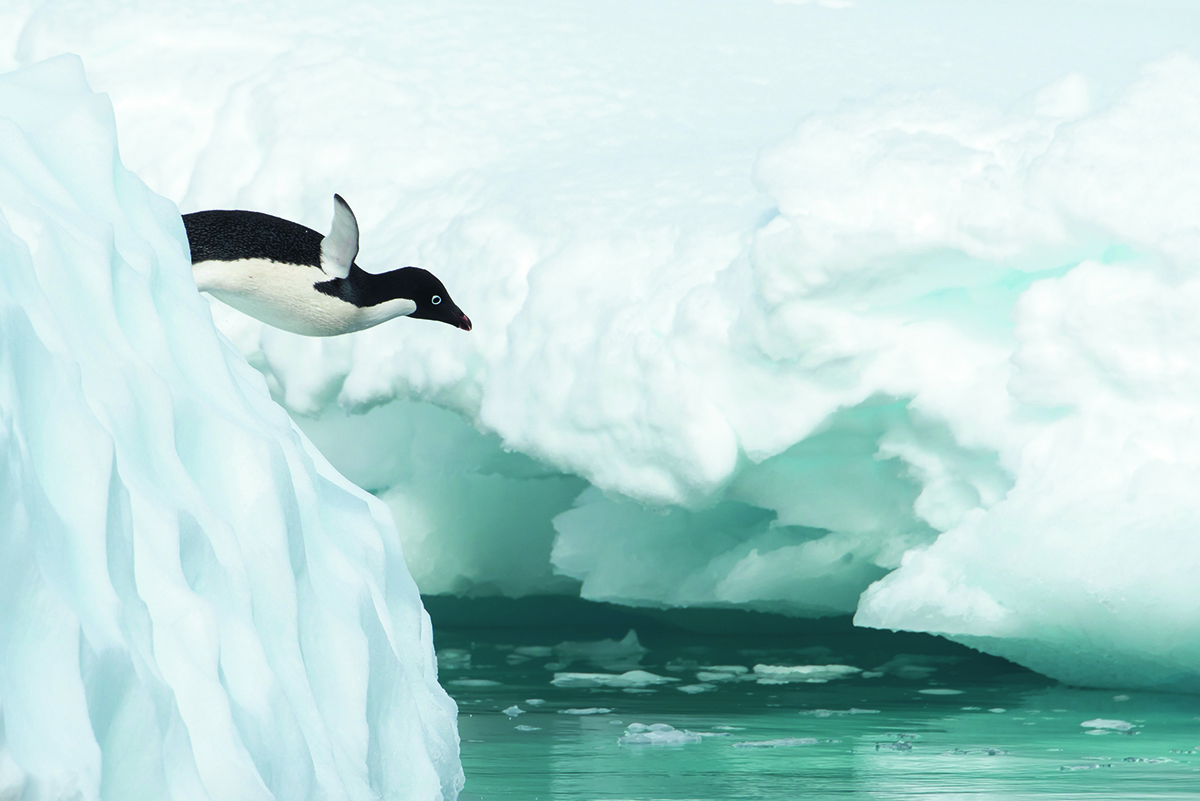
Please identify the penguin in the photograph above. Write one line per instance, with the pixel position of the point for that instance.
(291, 277)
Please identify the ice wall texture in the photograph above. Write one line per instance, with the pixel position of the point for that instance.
(193, 603)
(773, 301)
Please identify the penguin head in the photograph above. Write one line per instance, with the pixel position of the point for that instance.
(433, 301)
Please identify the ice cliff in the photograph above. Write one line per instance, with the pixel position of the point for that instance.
(842, 308)
(193, 603)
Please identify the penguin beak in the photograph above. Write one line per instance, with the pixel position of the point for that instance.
(462, 321)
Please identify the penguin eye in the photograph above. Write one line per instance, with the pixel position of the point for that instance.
(436, 299)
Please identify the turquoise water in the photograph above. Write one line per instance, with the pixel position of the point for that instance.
(940, 721)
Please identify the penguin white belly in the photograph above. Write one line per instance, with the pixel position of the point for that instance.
(283, 295)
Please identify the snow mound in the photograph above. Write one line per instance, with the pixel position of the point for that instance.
(193, 603)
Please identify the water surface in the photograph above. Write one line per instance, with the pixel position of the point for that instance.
(923, 717)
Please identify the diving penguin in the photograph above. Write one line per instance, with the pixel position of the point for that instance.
(291, 277)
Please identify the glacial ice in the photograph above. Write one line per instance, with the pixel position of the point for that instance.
(908, 335)
(193, 603)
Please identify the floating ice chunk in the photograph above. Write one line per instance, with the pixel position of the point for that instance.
(1104, 723)
(692, 689)
(535, 651)
(898, 745)
(523, 727)
(783, 742)
(826, 713)
(722, 673)
(632, 678)
(612, 654)
(913, 666)
(1092, 766)
(453, 659)
(592, 710)
(513, 711)
(535, 701)
(657, 734)
(810, 674)
(475, 683)
(940, 691)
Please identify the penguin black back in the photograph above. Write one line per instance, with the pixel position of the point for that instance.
(292, 277)
(222, 235)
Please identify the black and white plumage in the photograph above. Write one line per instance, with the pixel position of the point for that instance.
(292, 277)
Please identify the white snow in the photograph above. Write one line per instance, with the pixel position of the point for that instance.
(766, 314)
(193, 602)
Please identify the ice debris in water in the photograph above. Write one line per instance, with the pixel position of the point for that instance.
(513, 711)
(977, 752)
(1103, 725)
(808, 674)
(657, 734)
(193, 602)
(632, 678)
(475, 683)
(783, 742)
(912, 666)
(1092, 766)
(712, 673)
(535, 701)
(940, 691)
(591, 710)
(535, 651)
(693, 689)
(897, 745)
(826, 713)
(453, 659)
(612, 654)
(523, 727)
(900, 742)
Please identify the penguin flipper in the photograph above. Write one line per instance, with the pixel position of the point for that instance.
(339, 248)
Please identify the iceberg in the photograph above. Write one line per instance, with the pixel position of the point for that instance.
(193, 603)
(762, 321)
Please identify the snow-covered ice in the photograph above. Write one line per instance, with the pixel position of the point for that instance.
(193, 602)
(762, 320)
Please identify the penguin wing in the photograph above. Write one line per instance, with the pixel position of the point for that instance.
(339, 248)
